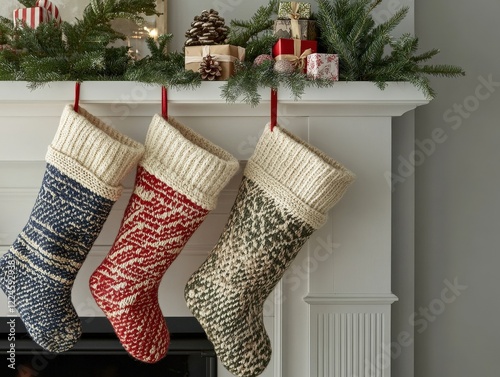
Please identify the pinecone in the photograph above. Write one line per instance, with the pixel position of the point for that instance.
(207, 29)
(210, 68)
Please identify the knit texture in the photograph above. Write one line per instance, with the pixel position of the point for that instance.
(286, 190)
(67, 217)
(177, 183)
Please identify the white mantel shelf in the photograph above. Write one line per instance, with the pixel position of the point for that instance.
(343, 99)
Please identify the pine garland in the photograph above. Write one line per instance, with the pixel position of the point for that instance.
(163, 68)
(76, 52)
(249, 78)
(348, 29)
(255, 34)
(82, 51)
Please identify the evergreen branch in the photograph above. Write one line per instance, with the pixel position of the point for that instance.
(245, 84)
(363, 22)
(28, 3)
(163, 68)
(241, 32)
(348, 29)
(426, 55)
(442, 70)
(332, 37)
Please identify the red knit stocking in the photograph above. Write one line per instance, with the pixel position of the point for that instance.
(177, 183)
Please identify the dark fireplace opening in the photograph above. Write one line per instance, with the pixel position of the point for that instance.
(99, 353)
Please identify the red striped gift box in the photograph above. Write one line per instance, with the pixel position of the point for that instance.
(32, 17)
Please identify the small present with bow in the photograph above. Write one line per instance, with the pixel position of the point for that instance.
(294, 10)
(293, 21)
(295, 51)
(323, 66)
(225, 55)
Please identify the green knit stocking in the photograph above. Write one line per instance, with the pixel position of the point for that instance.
(287, 189)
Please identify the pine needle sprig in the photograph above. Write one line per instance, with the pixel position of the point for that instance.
(255, 34)
(245, 85)
(162, 67)
(28, 3)
(243, 31)
(348, 29)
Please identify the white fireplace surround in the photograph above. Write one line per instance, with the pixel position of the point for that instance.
(330, 316)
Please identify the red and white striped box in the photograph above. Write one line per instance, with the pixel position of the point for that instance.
(32, 17)
(51, 8)
(323, 66)
(44, 11)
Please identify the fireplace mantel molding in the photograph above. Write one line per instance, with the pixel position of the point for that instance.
(343, 99)
(331, 314)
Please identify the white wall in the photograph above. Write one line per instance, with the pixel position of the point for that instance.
(457, 195)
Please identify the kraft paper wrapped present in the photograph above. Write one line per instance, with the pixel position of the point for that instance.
(294, 10)
(225, 54)
(295, 29)
(323, 66)
(295, 51)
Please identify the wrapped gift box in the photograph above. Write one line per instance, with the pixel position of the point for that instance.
(294, 50)
(51, 8)
(323, 66)
(294, 10)
(225, 54)
(44, 11)
(31, 17)
(298, 29)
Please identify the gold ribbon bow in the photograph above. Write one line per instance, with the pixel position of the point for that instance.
(294, 19)
(221, 58)
(294, 6)
(297, 59)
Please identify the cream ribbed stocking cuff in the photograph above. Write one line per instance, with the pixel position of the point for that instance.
(187, 162)
(297, 175)
(93, 153)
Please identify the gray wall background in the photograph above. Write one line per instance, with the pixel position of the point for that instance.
(457, 195)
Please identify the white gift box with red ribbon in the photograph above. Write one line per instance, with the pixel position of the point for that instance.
(323, 66)
(44, 11)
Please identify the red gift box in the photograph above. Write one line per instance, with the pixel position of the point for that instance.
(294, 50)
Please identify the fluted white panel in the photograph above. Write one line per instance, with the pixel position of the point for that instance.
(350, 345)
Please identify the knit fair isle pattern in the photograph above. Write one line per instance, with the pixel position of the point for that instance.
(64, 223)
(287, 190)
(157, 224)
(228, 291)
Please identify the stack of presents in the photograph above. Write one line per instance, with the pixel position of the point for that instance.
(297, 43)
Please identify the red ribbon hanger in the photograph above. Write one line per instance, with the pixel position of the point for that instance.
(274, 108)
(76, 106)
(164, 103)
